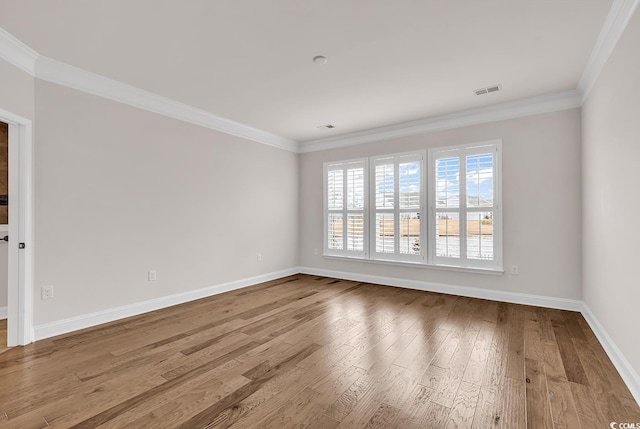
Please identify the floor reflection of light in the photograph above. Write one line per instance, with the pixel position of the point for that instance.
(343, 313)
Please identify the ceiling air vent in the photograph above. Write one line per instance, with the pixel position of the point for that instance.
(326, 127)
(488, 89)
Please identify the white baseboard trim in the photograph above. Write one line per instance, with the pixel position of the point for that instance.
(628, 374)
(3, 313)
(471, 292)
(59, 327)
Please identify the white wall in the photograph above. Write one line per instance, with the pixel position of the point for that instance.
(119, 191)
(611, 189)
(16, 90)
(541, 204)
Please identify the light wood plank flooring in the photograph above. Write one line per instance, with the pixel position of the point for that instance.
(308, 351)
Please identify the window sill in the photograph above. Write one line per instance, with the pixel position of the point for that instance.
(494, 272)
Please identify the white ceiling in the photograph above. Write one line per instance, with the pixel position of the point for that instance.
(251, 60)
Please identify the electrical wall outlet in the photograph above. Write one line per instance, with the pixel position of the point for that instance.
(46, 292)
(153, 275)
(259, 257)
(515, 270)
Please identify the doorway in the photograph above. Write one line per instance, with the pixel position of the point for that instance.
(4, 232)
(18, 247)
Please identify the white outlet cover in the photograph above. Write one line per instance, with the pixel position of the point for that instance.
(46, 292)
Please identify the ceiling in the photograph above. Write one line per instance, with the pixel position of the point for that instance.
(388, 61)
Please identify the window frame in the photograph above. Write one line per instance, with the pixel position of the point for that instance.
(397, 159)
(462, 151)
(427, 211)
(345, 211)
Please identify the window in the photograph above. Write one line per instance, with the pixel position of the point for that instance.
(397, 203)
(464, 206)
(397, 208)
(345, 208)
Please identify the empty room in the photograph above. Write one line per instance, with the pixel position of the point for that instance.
(329, 214)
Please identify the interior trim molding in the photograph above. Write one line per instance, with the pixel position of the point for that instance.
(514, 109)
(614, 25)
(3, 313)
(17, 53)
(471, 292)
(628, 374)
(20, 55)
(25, 58)
(82, 80)
(47, 330)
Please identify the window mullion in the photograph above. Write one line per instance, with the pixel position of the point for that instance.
(463, 207)
(424, 192)
(366, 214)
(371, 228)
(396, 207)
(430, 180)
(344, 209)
(480, 209)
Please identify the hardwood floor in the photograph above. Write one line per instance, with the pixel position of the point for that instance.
(308, 351)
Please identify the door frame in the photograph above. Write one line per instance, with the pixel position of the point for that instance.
(20, 264)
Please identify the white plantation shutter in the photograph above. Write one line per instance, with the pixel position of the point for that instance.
(447, 216)
(345, 208)
(397, 207)
(464, 213)
(480, 197)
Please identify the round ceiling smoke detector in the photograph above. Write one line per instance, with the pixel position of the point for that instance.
(320, 59)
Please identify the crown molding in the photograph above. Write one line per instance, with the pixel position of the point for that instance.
(20, 55)
(614, 25)
(82, 80)
(23, 57)
(17, 53)
(514, 109)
